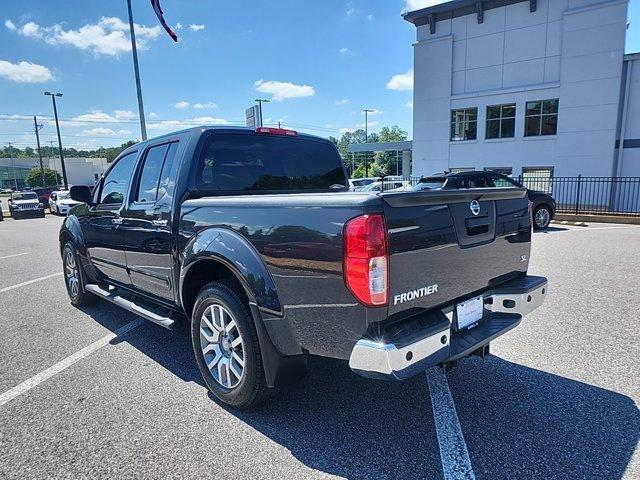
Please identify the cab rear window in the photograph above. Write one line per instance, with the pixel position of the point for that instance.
(252, 163)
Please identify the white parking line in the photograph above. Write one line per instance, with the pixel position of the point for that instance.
(14, 255)
(456, 464)
(29, 282)
(67, 362)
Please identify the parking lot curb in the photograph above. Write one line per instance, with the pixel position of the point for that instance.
(597, 218)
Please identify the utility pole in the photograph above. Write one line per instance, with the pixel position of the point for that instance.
(55, 114)
(143, 126)
(260, 102)
(37, 128)
(366, 140)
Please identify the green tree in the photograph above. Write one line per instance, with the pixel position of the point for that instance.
(34, 177)
(385, 162)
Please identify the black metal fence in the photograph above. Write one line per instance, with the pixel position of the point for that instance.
(574, 195)
(590, 195)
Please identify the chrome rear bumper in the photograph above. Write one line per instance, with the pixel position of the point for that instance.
(403, 350)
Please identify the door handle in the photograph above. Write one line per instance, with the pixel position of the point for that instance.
(160, 223)
(117, 221)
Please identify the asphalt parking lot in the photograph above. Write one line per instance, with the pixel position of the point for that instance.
(556, 399)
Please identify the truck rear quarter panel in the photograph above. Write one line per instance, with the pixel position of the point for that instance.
(299, 239)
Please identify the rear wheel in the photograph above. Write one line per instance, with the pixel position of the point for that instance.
(73, 278)
(225, 344)
(542, 217)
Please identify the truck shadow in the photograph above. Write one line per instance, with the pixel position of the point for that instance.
(518, 422)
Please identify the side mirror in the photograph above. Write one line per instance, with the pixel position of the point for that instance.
(81, 193)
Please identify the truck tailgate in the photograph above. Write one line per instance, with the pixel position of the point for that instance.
(447, 245)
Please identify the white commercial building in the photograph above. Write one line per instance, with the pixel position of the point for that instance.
(80, 171)
(529, 87)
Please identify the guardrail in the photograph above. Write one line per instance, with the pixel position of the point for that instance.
(573, 195)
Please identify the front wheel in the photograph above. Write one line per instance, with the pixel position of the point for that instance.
(73, 278)
(542, 217)
(225, 344)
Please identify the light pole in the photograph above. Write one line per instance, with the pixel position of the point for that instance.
(143, 127)
(55, 114)
(260, 102)
(37, 128)
(366, 140)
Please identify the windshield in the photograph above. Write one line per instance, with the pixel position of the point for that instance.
(63, 196)
(24, 196)
(429, 185)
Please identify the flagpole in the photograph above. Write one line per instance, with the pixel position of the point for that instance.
(143, 127)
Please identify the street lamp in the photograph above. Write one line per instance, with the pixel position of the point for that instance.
(55, 114)
(260, 102)
(366, 140)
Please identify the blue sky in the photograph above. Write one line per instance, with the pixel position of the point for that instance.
(321, 63)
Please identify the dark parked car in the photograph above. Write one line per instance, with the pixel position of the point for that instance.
(25, 204)
(255, 238)
(44, 194)
(543, 205)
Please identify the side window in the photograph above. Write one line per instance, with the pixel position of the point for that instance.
(114, 185)
(150, 176)
(167, 183)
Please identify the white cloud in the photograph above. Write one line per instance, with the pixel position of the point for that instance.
(351, 12)
(124, 115)
(401, 81)
(369, 124)
(202, 106)
(182, 105)
(178, 26)
(411, 5)
(347, 130)
(24, 72)
(370, 17)
(195, 27)
(409, 104)
(329, 125)
(107, 37)
(124, 132)
(284, 90)
(97, 132)
(153, 115)
(342, 101)
(169, 125)
(375, 111)
(9, 24)
(344, 50)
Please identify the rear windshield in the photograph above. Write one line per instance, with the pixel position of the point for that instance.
(235, 163)
(430, 184)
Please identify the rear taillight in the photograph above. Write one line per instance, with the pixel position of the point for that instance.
(366, 259)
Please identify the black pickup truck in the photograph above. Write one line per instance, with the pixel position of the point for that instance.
(254, 236)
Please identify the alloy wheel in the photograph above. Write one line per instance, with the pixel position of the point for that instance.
(222, 346)
(542, 217)
(71, 273)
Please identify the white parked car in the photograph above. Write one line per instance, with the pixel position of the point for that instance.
(60, 202)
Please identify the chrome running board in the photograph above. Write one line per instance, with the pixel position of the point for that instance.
(127, 304)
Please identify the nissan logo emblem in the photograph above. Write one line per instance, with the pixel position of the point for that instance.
(474, 206)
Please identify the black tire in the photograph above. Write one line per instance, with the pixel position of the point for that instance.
(77, 294)
(541, 217)
(251, 389)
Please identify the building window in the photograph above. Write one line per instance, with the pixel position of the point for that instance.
(537, 178)
(541, 118)
(501, 121)
(464, 124)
